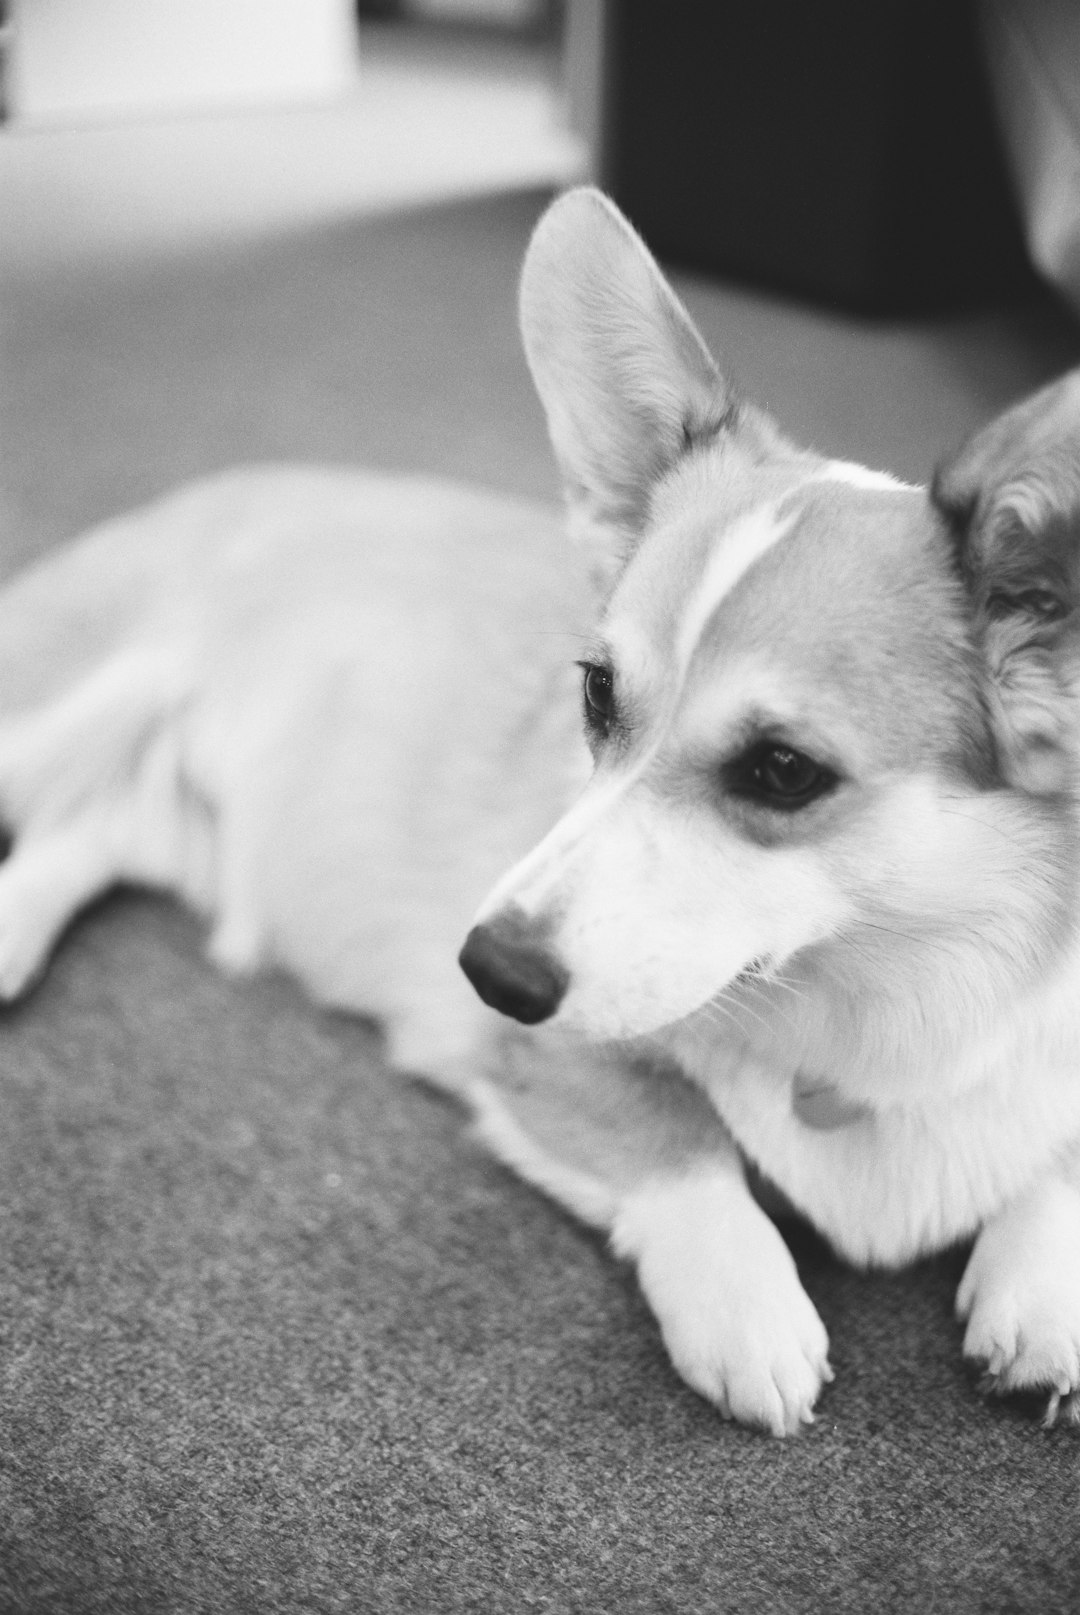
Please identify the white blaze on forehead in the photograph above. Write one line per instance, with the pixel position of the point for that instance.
(735, 553)
(861, 476)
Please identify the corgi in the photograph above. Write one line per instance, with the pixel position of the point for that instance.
(767, 765)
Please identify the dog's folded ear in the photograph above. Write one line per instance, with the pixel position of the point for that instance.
(626, 381)
(1012, 497)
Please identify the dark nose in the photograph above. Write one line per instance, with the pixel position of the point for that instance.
(511, 967)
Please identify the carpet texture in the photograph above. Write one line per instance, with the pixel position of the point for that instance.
(274, 1335)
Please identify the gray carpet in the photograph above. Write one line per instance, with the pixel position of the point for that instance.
(274, 1336)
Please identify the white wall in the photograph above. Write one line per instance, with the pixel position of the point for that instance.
(71, 60)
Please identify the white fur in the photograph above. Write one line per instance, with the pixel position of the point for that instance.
(853, 475)
(588, 1197)
(1020, 1297)
(731, 557)
(735, 1320)
(648, 950)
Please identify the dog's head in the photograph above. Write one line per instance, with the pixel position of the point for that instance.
(831, 714)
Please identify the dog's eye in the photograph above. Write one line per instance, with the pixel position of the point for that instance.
(1042, 604)
(779, 776)
(598, 692)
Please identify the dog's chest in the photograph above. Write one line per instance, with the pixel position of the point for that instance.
(887, 1185)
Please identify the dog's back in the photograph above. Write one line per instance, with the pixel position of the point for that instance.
(293, 686)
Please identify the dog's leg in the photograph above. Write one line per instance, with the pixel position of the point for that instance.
(129, 832)
(1020, 1296)
(237, 942)
(54, 759)
(632, 1148)
(736, 1321)
(43, 885)
(88, 784)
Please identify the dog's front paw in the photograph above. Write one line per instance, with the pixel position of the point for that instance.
(737, 1323)
(1020, 1297)
(26, 935)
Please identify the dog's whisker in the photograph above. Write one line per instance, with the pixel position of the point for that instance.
(733, 1009)
(557, 633)
(716, 1012)
(778, 980)
(889, 930)
(769, 1015)
(984, 824)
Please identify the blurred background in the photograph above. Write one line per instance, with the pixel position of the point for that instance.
(886, 158)
(135, 125)
(872, 210)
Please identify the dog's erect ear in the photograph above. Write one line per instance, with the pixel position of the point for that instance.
(1012, 495)
(626, 381)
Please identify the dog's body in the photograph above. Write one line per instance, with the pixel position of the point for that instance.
(826, 866)
(243, 694)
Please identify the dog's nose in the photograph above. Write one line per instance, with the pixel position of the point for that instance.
(511, 968)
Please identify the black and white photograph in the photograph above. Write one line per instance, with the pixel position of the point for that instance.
(539, 807)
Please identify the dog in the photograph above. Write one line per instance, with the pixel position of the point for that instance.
(767, 763)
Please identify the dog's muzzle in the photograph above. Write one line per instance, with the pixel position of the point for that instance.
(508, 962)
